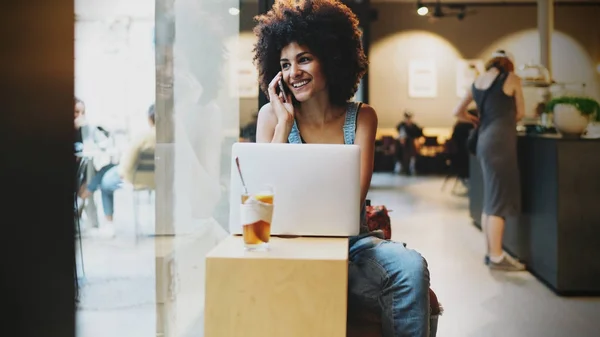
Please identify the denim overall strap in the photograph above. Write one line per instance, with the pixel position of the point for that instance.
(350, 122)
(294, 136)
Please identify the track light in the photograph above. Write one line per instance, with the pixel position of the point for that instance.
(422, 10)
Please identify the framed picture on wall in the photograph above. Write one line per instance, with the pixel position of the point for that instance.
(466, 72)
(422, 78)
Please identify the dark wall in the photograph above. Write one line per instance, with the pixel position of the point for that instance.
(472, 35)
(248, 10)
(37, 168)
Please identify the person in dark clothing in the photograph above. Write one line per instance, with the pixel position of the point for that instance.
(497, 151)
(408, 133)
(460, 158)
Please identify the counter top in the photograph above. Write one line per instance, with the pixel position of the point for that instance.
(555, 136)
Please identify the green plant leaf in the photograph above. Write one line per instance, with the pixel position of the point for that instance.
(587, 106)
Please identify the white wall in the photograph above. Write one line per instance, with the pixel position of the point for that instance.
(388, 81)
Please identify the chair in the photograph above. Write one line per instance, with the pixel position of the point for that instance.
(385, 154)
(457, 154)
(431, 141)
(451, 152)
(142, 181)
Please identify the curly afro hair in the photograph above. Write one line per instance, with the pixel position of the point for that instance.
(328, 28)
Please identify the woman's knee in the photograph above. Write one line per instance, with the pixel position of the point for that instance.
(416, 266)
(410, 267)
(111, 180)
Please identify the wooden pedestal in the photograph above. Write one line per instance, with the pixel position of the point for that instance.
(298, 288)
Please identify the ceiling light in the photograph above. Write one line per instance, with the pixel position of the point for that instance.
(423, 10)
(234, 11)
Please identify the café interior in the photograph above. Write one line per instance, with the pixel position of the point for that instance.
(166, 259)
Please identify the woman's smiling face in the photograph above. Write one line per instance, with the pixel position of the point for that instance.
(302, 72)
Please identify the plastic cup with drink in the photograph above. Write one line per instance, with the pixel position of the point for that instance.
(256, 213)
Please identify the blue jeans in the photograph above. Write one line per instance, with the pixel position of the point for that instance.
(386, 277)
(108, 180)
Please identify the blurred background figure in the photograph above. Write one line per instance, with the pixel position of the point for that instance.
(460, 134)
(408, 134)
(111, 177)
(248, 132)
(499, 97)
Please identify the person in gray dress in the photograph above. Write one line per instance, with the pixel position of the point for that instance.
(497, 150)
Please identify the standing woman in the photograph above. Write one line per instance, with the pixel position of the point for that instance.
(497, 151)
(314, 49)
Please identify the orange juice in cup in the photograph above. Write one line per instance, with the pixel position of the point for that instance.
(256, 215)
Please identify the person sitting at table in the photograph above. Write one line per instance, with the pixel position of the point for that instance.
(91, 142)
(408, 133)
(110, 179)
(314, 50)
(90, 137)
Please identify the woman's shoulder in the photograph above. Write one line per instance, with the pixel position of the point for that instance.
(266, 109)
(513, 78)
(366, 109)
(266, 113)
(367, 115)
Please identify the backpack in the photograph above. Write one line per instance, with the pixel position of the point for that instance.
(379, 219)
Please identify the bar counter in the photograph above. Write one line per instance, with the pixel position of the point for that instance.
(558, 233)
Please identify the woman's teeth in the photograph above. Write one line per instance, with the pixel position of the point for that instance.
(300, 84)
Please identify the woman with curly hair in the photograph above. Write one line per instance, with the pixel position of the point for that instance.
(313, 50)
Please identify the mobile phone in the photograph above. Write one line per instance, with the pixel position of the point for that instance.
(282, 90)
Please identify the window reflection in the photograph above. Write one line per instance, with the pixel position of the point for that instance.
(147, 278)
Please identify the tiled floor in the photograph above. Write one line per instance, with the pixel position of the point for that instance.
(118, 296)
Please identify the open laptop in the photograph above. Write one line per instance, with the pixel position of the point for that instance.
(316, 186)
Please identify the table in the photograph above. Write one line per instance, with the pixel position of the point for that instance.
(298, 288)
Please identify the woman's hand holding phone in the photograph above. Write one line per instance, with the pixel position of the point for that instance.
(281, 102)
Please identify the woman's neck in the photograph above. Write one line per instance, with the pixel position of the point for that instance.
(319, 111)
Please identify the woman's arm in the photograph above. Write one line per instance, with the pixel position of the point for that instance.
(518, 95)
(461, 113)
(366, 128)
(268, 129)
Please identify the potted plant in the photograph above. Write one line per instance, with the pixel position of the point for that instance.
(573, 114)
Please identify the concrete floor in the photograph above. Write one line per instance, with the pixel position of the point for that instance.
(118, 292)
